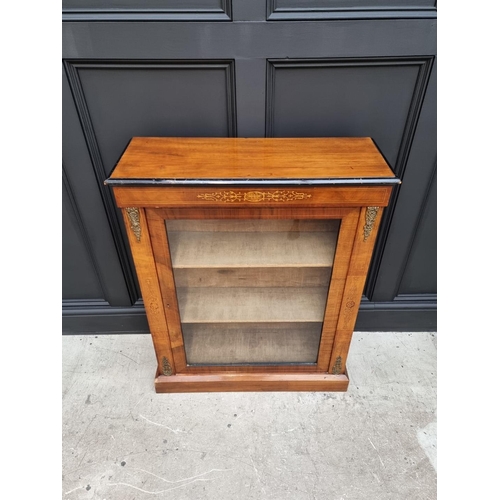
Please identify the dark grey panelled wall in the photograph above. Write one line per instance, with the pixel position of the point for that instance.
(247, 68)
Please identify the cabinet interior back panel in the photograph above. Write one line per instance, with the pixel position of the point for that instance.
(256, 343)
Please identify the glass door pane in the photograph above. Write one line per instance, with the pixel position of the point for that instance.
(252, 291)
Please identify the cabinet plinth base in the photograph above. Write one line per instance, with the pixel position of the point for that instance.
(255, 382)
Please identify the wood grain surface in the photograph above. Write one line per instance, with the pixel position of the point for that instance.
(145, 265)
(245, 382)
(353, 290)
(245, 158)
(227, 198)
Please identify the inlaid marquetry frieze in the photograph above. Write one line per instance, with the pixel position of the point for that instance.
(254, 196)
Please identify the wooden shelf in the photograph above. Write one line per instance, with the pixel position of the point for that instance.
(251, 249)
(237, 343)
(253, 277)
(253, 305)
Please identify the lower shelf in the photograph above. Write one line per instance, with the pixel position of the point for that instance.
(263, 304)
(251, 382)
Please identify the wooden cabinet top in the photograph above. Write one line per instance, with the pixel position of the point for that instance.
(239, 161)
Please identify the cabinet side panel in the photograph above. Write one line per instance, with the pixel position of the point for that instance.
(159, 242)
(366, 235)
(140, 244)
(340, 269)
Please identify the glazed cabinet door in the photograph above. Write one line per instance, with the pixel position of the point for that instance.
(251, 289)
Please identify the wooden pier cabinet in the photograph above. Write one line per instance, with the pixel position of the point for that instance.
(251, 255)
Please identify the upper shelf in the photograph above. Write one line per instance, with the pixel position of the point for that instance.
(246, 249)
(243, 161)
(252, 243)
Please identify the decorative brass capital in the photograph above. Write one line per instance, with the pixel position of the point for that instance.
(254, 196)
(166, 368)
(135, 221)
(337, 366)
(370, 217)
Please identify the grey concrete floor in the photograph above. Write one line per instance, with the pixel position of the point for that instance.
(122, 441)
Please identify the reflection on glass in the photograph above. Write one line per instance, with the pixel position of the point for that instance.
(252, 291)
